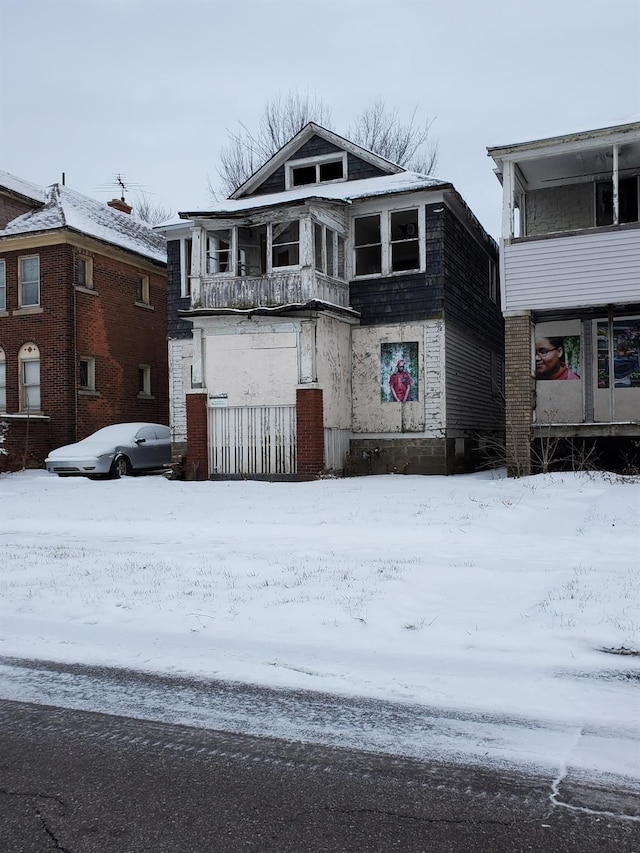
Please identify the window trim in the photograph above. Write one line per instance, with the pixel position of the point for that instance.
(386, 243)
(142, 289)
(186, 256)
(144, 386)
(3, 285)
(87, 261)
(306, 162)
(21, 281)
(90, 361)
(24, 358)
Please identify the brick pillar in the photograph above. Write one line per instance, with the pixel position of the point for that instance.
(519, 388)
(310, 433)
(197, 461)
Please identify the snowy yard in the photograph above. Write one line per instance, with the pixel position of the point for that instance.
(473, 593)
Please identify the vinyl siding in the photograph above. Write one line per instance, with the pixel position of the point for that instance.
(574, 271)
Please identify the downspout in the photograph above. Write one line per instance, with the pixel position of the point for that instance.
(75, 354)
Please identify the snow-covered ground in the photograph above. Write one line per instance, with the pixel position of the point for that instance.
(474, 594)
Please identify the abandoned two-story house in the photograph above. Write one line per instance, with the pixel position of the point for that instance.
(571, 294)
(82, 318)
(337, 313)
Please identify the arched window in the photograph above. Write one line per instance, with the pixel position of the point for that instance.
(29, 364)
(3, 381)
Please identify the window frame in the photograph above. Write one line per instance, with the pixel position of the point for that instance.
(186, 255)
(91, 373)
(329, 241)
(87, 263)
(316, 163)
(144, 381)
(3, 285)
(25, 358)
(386, 243)
(22, 282)
(142, 294)
(287, 223)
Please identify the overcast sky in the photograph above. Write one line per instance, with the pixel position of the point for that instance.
(148, 88)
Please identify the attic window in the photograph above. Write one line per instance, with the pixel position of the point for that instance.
(317, 170)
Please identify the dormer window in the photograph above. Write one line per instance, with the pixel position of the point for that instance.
(316, 170)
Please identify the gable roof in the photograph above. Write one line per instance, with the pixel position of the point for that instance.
(301, 138)
(66, 208)
(24, 189)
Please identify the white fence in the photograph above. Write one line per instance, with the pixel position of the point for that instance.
(251, 440)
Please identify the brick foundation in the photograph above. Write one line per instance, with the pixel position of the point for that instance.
(197, 456)
(310, 433)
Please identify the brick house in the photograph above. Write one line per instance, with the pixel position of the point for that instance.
(82, 318)
(570, 253)
(337, 312)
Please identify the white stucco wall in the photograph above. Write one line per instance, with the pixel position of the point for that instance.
(424, 417)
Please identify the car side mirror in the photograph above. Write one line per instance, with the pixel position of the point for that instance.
(140, 440)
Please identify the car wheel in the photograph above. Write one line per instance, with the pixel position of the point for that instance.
(120, 467)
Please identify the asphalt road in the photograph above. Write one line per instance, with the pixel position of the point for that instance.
(82, 782)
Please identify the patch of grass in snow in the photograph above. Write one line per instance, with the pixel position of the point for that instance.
(585, 599)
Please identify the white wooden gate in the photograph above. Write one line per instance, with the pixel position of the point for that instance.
(249, 440)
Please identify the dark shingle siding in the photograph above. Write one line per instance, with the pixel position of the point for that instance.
(317, 147)
(177, 327)
(466, 277)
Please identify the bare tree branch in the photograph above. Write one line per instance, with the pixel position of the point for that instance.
(377, 128)
(151, 212)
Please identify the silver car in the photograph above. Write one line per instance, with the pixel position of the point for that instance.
(114, 451)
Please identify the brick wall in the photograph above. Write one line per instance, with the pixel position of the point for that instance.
(104, 324)
(197, 457)
(310, 433)
(519, 389)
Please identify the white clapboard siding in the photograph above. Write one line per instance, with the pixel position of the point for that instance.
(336, 447)
(249, 440)
(581, 270)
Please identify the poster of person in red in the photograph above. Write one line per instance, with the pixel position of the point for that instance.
(400, 383)
(399, 371)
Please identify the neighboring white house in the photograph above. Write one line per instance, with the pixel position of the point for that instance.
(570, 257)
(292, 303)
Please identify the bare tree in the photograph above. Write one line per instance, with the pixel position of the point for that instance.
(376, 128)
(380, 129)
(151, 212)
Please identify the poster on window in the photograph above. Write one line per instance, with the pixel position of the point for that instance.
(399, 372)
(625, 351)
(557, 357)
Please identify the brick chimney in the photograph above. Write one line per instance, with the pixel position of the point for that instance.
(120, 204)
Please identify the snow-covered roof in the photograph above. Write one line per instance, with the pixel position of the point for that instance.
(66, 208)
(345, 191)
(21, 187)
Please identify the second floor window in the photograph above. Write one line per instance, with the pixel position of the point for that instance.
(628, 191)
(285, 244)
(387, 243)
(368, 245)
(84, 272)
(142, 289)
(3, 286)
(328, 248)
(30, 281)
(219, 251)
